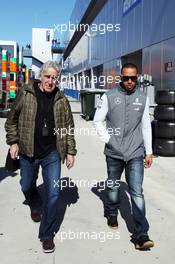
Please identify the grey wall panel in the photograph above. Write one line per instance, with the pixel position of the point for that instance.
(78, 11)
(169, 19)
(154, 59)
(146, 22)
(119, 34)
(168, 78)
(131, 30)
(137, 28)
(157, 18)
(151, 64)
(134, 29)
(156, 65)
(146, 60)
(124, 35)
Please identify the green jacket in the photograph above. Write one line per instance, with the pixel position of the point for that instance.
(20, 124)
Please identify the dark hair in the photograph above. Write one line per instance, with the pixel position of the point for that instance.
(129, 65)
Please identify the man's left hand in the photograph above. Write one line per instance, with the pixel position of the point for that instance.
(148, 160)
(70, 161)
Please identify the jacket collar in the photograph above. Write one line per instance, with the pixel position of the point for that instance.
(123, 90)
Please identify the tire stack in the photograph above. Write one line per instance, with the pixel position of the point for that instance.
(163, 126)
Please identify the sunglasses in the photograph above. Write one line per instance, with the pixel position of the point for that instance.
(127, 78)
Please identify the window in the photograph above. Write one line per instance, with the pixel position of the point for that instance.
(48, 35)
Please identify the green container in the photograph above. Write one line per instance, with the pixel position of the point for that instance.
(89, 102)
(4, 96)
(12, 95)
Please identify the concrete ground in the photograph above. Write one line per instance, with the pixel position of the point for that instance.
(84, 236)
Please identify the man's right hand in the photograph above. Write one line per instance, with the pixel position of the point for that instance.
(148, 161)
(14, 149)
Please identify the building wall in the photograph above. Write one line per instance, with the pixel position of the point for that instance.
(155, 58)
(146, 29)
(36, 65)
(78, 10)
(11, 47)
(41, 46)
(9, 58)
(41, 43)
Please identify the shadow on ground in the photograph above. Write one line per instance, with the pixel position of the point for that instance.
(68, 196)
(4, 173)
(125, 207)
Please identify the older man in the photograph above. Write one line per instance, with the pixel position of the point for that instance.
(34, 132)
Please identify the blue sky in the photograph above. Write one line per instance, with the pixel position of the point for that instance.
(18, 17)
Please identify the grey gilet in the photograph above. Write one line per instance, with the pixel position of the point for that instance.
(123, 121)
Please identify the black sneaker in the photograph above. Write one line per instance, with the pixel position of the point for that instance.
(48, 246)
(144, 243)
(112, 222)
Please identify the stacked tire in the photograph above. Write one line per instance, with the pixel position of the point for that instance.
(163, 126)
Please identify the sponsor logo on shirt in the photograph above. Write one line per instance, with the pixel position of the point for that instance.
(137, 102)
(117, 100)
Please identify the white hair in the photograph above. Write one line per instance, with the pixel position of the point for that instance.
(47, 65)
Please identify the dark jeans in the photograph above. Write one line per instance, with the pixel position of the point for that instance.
(134, 173)
(51, 169)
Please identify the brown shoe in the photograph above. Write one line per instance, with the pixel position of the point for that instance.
(35, 215)
(144, 243)
(48, 246)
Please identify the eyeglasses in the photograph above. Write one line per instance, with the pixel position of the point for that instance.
(54, 79)
(127, 78)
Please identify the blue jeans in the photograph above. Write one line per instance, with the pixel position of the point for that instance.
(134, 173)
(51, 170)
